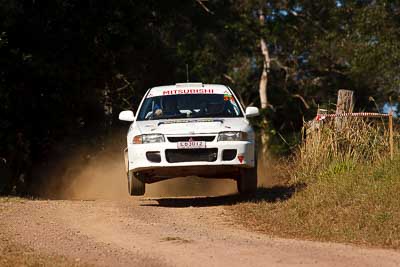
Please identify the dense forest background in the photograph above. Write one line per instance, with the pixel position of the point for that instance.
(67, 67)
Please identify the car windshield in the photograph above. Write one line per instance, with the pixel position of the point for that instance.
(189, 106)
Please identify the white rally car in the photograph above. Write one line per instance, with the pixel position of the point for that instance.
(190, 129)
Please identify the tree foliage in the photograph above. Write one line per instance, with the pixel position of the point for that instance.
(63, 61)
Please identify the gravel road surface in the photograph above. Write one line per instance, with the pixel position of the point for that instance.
(192, 231)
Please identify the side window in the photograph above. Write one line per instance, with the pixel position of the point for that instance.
(148, 108)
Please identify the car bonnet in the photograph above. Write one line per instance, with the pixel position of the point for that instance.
(192, 126)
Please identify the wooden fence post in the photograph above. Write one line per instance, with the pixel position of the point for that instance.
(345, 104)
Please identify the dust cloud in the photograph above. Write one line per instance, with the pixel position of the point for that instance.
(271, 171)
(86, 174)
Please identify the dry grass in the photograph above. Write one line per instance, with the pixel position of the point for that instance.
(343, 189)
(360, 141)
(176, 239)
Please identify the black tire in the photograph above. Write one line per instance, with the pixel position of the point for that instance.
(135, 186)
(247, 181)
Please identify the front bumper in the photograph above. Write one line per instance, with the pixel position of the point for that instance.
(138, 161)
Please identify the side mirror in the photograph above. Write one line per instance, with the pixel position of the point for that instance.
(126, 115)
(252, 112)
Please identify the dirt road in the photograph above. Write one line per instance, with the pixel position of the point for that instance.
(149, 231)
(162, 232)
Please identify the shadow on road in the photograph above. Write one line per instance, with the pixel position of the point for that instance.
(273, 194)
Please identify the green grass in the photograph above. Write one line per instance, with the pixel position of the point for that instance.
(345, 202)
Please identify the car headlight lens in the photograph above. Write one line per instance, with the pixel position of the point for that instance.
(232, 136)
(148, 139)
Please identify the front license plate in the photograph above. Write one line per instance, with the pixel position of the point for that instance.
(191, 144)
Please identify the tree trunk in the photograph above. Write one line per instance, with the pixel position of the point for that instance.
(264, 76)
(266, 64)
(263, 86)
(108, 109)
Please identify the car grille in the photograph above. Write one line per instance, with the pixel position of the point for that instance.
(175, 139)
(189, 155)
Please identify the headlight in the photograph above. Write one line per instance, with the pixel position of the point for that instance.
(232, 136)
(148, 138)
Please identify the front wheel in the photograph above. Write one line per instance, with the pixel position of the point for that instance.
(135, 186)
(247, 181)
